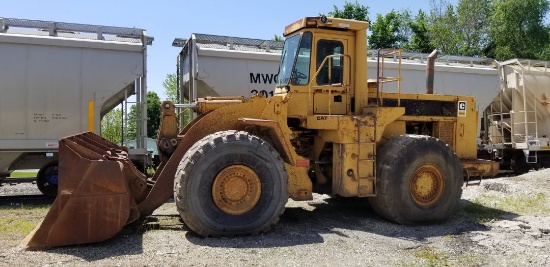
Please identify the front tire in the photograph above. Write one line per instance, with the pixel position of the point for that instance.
(419, 180)
(231, 183)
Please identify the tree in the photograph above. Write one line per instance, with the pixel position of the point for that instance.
(111, 126)
(387, 31)
(277, 38)
(404, 27)
(153, 114)
(473, 26)
(420, 37)
(131, 126)
(170, 85)
(350, 11)
(443, 27)
(153, 117)
(461, 30)
(518, 30)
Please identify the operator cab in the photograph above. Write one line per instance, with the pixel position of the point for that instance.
(316, 65)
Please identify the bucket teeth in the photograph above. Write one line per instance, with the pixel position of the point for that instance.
(99, 190)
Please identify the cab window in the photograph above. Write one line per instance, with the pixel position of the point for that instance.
(300, 73)
(326, 48)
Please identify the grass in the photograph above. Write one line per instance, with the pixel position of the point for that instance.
(150, 172)
(18, 221)
(432, 258)
(22, 174)
(519, 204)
(489, 207)
(532, 204)
(428, 256)
(480, 213)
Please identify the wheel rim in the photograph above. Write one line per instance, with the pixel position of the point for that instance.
(427, 185)
(236, 189)
(51, 175)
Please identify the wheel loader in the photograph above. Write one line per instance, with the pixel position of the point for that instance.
(327, 129)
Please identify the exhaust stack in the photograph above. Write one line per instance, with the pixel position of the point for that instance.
(430, 72)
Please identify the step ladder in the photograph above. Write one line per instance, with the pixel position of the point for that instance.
(366, 163)
(530, 118)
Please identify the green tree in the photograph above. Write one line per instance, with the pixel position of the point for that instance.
(111, 126)
(153, 114)
(153, 117)
(387, 31)
(473, 26)
(277, 38)
(443, 27)
(170, 85)
(518, 29)
(461, 30)
(420, 37)
(404, 27)
(131, 131)
(350, 11)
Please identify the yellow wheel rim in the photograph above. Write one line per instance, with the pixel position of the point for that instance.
(427, 185)
(236, 189)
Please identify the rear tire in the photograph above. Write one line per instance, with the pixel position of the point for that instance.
(231, 183)
(47, 179)
(419, 180)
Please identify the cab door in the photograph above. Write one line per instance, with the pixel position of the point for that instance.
(331, 70)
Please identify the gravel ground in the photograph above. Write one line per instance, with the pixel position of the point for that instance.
(11, 189)
(503, 222)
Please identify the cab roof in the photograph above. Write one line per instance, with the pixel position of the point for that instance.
(324, 22)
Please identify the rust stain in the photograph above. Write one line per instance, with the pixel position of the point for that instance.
(544, 100)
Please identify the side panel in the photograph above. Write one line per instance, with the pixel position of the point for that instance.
(47, 84)
(231, 73)
(481, 82)
(46, 89)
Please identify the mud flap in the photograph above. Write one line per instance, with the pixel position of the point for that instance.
(99, 189)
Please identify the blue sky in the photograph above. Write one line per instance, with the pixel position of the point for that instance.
(166, 20)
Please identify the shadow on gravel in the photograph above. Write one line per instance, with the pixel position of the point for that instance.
(307, 224)
(480, 214)
(299, 226)
(128, 242)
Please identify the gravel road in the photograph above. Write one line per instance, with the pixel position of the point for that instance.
(503, 222)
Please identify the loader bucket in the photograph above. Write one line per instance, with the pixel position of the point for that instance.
(98, 192)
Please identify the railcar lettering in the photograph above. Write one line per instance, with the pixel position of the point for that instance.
(263, 78)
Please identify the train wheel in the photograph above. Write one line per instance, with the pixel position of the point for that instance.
(231, 183)
(519, 163)
(419, 180)
(47, 179)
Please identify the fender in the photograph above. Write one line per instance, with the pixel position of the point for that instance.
(221, 119)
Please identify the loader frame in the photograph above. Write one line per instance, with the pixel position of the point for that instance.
(327, 129)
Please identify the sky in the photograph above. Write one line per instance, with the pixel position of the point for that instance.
(166, 20)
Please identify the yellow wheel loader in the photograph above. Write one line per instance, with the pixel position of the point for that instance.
(327, 129)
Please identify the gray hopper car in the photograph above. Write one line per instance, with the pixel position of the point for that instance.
(59, 79)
